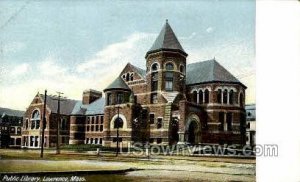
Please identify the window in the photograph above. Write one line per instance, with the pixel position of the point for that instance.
(18, 141)
(154, 67)
(19, 130)
(127, 77)
(169, 66)
(229, 121)
(169, 81)
(100, 141)
(231, 97)
(154, 81)
(219, 96)
(241, 100)
(201, 97)
(131, 77)
(195, 96)
(221, 120)
(36, 141)
(87, 128)
(96, 140)
(101, 128)
(206, 96)
(12, 130)
(92, 128)
(31, 141)
(151, 118)
(88, 120)
(154, 98)
(181, 68)
(97, 119)
(32, 124)
(225, 99)
(159, 140)
(101, 119)
(92, 141)
(35, 120)
(64, 124)
(118, 123)
(109, 99)
(87, 141)
(151, 140)
(120, 97)
(97, 127)
(159, 123)
(93, 120)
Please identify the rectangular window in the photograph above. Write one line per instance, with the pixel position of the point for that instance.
(92, 120)
(154, 99)
(169, 86)
(96, 140)
(120, 97)
(101, 119)
(154, 81)
(159, 123)
(221, 120)
(109, 99)
(115, 139)
(151, 118)
(151, 140)
(100, 141)
(97, 127)
(97, 119)
(87, 141)
(87, 128)
(101, 128)
(37, 126)
(92, 141)
(169, 81)
(32, 124)
(229, 121)
(92, 128)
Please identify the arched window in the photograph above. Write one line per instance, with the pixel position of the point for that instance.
(231, 97)
(35, 120)
(131, 77)
(181, 68)
(118, 123)
(241, 101)
(225, 96)
(201, 97)
(206, 96)
(195, 96)
(169, 66)
(127, 77)
(154, 67)
(219, 96)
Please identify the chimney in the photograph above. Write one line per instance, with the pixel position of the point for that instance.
(90, 96)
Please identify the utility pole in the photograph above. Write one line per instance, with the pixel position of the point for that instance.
(118, 125)
(58, 121)
(44, 124)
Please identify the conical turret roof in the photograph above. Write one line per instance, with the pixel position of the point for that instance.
(166, 40)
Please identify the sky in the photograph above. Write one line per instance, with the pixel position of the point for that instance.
(70, 46)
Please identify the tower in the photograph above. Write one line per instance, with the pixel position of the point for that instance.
(166, 67)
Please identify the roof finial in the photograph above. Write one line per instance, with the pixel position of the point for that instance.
(166, 20)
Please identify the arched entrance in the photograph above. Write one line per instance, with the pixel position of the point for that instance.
(173, 131)
(192, 130)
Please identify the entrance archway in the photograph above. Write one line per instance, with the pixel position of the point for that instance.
(192, 130)
(173, 131)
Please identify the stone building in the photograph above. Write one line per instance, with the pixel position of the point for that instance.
(169, 102)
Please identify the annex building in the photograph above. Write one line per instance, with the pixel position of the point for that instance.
(168, 102)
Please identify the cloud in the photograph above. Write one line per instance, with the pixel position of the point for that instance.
(188, 37)
(20, 69)
(50, 67)
(210, 29)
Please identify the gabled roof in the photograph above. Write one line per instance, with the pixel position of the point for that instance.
(66, 105)
(96, 107)
(117, 84)
(208, 71)
(140, 71)
(166, 40)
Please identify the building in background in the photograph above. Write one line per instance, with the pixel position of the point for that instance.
(10, 128)
(251, 124)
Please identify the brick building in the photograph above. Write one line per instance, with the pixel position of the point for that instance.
(170, 102)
